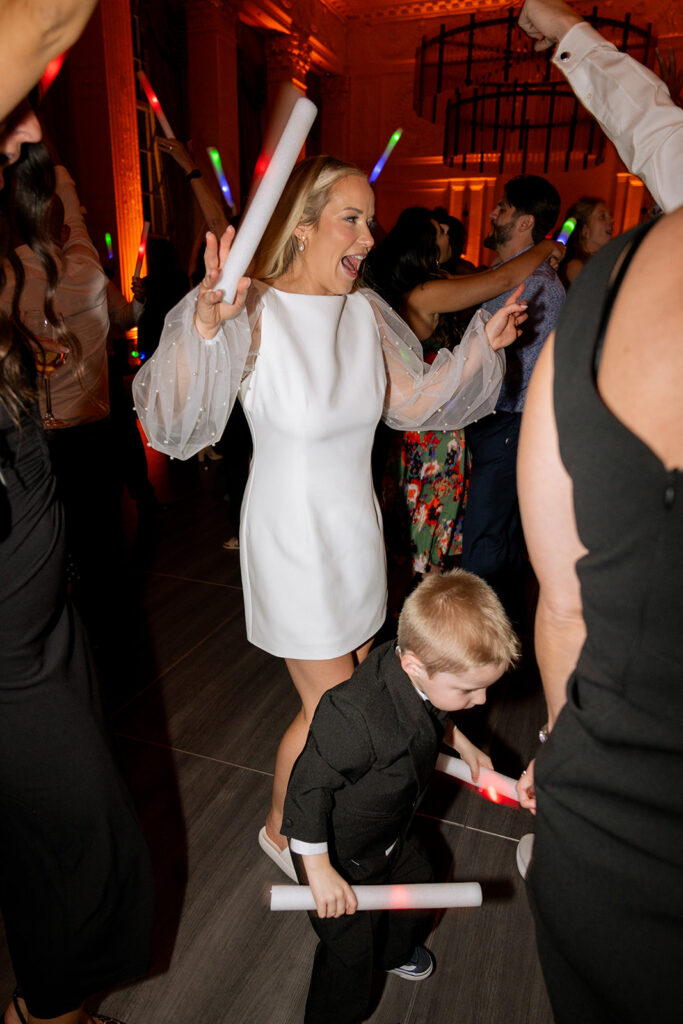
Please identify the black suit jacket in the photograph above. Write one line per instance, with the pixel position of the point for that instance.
(371, 750)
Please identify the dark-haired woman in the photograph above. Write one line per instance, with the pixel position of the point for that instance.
(425, 485)
(75, 886)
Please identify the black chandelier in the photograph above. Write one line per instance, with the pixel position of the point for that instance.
(501, 100)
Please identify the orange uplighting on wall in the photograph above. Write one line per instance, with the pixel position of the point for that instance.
(628, 202)
(125, 151)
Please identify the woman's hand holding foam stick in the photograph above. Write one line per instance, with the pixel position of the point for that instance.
(211, 309)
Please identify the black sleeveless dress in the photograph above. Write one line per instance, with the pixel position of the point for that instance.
(75, 884)
(606, 881)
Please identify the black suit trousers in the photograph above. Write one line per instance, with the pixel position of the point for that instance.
(351, 947)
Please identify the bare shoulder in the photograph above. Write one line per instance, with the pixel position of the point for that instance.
(642, 363)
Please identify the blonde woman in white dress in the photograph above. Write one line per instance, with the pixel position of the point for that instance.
(316, 365)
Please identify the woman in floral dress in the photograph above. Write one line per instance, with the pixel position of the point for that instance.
(424, 484)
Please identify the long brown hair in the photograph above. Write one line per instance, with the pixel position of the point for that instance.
(25, 204)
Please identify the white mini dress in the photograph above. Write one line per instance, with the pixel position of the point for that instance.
(314, 374)
(311, 547)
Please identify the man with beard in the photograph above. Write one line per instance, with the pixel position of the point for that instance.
(493, 543)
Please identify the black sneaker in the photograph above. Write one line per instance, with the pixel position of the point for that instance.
(419, 967)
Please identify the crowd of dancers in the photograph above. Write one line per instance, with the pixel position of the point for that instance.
(574, 426)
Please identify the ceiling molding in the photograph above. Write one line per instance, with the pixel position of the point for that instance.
(408, 10)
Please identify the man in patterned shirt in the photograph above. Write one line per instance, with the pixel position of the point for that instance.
(493, 543)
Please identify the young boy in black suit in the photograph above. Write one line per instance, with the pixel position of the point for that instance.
(371, 750)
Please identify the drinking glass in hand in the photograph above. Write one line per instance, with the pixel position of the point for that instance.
(48, 361)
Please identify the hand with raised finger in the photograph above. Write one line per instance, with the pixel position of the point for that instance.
(504, 326)
(212, 310)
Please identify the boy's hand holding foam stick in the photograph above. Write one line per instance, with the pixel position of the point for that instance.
(471, 755)
(492, 784)
(333, 896)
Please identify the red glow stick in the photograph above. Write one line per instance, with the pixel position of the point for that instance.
(142, 248)
(51, 72)
(492, 784)
(153, 101)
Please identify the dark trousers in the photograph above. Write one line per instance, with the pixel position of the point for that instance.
(493, 541)
(352, 946)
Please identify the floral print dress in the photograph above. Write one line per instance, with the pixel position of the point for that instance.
(425, 483)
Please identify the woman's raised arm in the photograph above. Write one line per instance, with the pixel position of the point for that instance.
(449, 295)
(460, 386)
(184, 394)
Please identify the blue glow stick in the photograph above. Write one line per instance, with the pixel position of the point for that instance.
(566, 230)
(377, 169)
(215, 158)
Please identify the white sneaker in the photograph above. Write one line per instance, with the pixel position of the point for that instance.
(525, 851)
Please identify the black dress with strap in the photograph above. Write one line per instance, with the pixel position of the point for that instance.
(606, 881)
(75, 884)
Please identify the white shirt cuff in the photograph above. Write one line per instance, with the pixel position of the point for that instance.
(576, 44)
(306, 849)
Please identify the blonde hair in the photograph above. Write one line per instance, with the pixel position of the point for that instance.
(454, 622)
(305, 195)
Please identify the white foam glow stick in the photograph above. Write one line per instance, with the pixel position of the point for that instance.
(416, 896)
(142, 248)
(153, 101)
(266, 196)
(492, 784)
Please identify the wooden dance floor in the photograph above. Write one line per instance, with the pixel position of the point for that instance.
(197, 714)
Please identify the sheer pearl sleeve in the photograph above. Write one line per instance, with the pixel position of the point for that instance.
(185, 393)
(458, 388)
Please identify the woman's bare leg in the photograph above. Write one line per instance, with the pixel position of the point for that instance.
(311, 679)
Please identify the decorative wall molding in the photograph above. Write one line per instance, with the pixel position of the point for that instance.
(409, 10)
(289, 55)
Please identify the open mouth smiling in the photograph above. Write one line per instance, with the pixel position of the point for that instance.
(351, 264)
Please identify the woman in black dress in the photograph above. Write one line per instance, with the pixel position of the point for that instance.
(600, 460)
(75, 886)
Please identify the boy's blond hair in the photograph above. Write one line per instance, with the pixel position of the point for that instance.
(304, 198)
(454, 622)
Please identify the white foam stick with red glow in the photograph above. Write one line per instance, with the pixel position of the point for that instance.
(491, 783)
(142, 248)
(153, 101)
(266, 196)
(416, 896)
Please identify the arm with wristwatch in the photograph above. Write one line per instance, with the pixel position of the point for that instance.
(211, 207)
